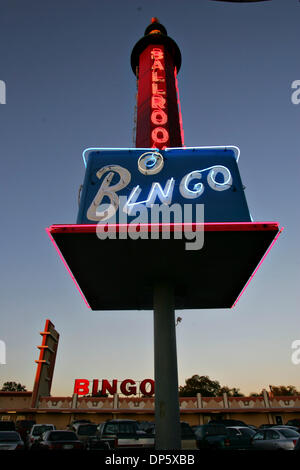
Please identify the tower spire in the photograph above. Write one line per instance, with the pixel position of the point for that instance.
(156, 59)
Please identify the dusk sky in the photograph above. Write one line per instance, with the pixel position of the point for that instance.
(69, 84)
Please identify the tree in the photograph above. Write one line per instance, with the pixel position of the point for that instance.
(232, 392)
(282, 390)
(207, 387)
(200, 384)
(13, 387)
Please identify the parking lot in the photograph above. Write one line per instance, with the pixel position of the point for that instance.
(118, 434)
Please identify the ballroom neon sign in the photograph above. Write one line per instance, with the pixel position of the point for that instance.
(159, 116)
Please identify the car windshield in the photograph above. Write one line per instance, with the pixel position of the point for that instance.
(39, 430)
(87, 430)
(289, 433)
(120, 428)
(62, 436)
(9, 436)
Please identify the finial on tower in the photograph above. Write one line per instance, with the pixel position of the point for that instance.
(155, 33)
(155, 27)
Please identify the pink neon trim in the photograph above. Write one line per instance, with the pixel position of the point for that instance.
(66, 266)
(179, 108)
(227, 226)
(257, 267)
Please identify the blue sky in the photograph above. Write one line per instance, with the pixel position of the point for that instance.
(69, 83)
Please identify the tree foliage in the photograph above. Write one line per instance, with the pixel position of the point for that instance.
(13, 387)
(207, 387)
(283, 390)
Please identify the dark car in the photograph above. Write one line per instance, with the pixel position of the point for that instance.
(59, 440)
(11, 440)
(239, 438)
(210, 436)
(294, 422)
(124, 433)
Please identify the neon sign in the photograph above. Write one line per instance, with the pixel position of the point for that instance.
(123, 181)
(159, 117)
(127, 387)
(156, 191)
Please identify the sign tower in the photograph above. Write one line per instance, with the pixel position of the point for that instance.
(161, 226)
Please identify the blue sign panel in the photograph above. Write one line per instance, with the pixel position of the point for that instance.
(121, 183)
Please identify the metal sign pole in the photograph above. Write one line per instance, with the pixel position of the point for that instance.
(167, 413)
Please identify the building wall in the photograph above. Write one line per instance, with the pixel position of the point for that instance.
(15, 400)
(194, 410)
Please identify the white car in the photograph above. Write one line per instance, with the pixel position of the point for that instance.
(275, 439)
(36, 432)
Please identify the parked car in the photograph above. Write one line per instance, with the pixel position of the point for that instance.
(275, 438)
(23, 427)
(210, 436)
(11, 440)
(124, 433)
(59, 440)
(35, 433)
(239, 438)
(294, 422)
(84, 431)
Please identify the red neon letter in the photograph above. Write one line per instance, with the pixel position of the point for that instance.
(95, 387)
(143, 387)
(81, 386)
(106, 386)
(158, 116)
(160, 135)
(157, 53)
(156, 91)
(156, 78)
(128, 390)
(157, 65)
(158, 101)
